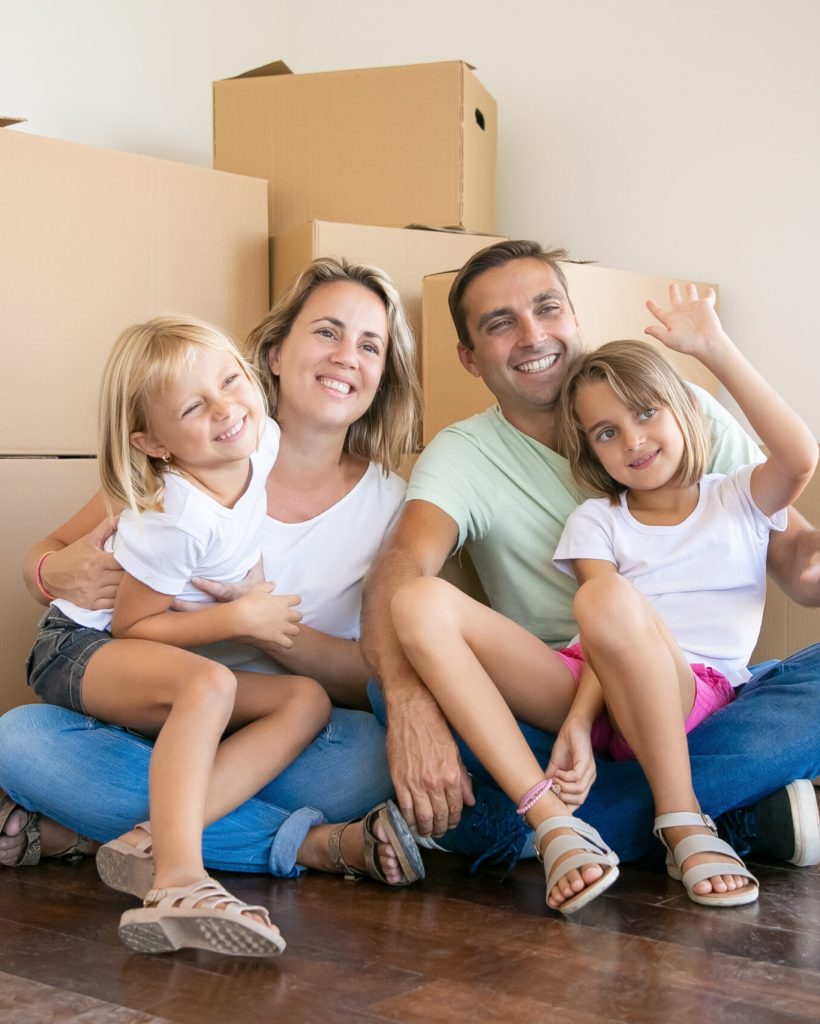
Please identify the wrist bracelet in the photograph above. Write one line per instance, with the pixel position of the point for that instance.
(38, 576)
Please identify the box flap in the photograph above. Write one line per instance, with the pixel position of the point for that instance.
(6, 121)
(278, 67)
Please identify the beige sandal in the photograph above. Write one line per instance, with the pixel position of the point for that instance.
(398, 836)
(126, 867)
(199, 916)
(704, 844)
(590, 849)
(32, 851)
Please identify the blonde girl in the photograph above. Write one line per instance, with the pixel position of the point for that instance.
(185, 449)
(665, 634)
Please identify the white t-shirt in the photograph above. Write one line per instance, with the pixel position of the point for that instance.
(706, 576)
(193, 536)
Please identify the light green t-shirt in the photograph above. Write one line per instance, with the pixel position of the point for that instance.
(510, 497)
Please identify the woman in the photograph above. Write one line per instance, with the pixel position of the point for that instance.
(337, 356)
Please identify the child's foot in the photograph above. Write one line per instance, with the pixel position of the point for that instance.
(201, 915)
(696, 857)
(577, 862)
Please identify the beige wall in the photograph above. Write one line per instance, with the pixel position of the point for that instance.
(676, 137)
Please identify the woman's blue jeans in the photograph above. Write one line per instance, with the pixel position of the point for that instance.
(94, 778)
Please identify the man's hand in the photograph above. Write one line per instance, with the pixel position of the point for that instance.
(82, 571)
(432, 784)
(572, 764)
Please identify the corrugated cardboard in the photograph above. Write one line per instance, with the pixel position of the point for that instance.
(94, 240)
(406, 254)
(788, 627)
(388, 146)
(36, 495)
(610, 304)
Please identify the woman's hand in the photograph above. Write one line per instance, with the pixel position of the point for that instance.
(82, 571)
(222, 592)
(572, 764)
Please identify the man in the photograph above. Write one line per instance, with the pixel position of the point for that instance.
(495, 485)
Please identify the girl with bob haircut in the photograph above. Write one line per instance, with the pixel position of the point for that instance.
(671, 567)
(386, 430)
(185, 452)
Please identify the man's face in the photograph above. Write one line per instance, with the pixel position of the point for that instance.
(524, 333)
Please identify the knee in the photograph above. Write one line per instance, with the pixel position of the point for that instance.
(420, 604)
(312, 701)
(608, 609)
(211, 686)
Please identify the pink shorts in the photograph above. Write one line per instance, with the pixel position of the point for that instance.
(712, 692)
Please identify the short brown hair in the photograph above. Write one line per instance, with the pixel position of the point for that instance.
(498, 255)
(641, 377)
(388, 429)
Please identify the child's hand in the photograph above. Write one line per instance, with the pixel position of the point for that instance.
(691, 326)
(572, 764)
(261, 615)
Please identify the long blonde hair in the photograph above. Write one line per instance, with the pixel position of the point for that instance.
(146, 358)
(388, 429)
(641, 377)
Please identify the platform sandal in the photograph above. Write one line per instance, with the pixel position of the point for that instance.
(126, 867)
(199, 916)
(398, 836)
(696, 844)
(589, 849)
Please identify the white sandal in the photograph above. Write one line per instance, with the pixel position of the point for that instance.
(591, 850)
(199, 916)
(126, 867)
(692, 845)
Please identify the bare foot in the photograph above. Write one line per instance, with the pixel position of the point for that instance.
(717, 883)
(573, 881)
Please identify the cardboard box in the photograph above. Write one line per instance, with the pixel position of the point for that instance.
(406, 254)
(610, 304)
(788, 627)
(36, 495)
(94, 240)
(388, 146)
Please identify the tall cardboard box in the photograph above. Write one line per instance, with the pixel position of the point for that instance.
(388, 146)
(406, 254)
(93, 240)
(36, 495)
(610, 304)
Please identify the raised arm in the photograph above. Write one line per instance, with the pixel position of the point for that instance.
(76, 566)
(692, 326)
(430, 780)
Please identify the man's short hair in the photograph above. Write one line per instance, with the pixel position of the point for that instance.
(498, 255)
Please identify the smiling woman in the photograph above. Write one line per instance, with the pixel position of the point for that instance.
(337, 359)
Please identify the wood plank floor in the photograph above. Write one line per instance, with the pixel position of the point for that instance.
(455, 948)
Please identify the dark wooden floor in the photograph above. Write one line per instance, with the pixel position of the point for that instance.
(454, 948)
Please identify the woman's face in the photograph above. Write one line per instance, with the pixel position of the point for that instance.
(331, 363)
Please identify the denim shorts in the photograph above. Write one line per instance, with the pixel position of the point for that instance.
(713, 691)
(58, 660)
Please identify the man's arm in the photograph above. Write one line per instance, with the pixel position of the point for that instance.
(794, 560)
(430, 780)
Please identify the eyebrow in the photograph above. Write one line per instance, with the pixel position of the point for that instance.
(340, 323)
(552, 293)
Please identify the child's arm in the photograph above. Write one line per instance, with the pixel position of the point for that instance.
(142, 613)
(692, 326)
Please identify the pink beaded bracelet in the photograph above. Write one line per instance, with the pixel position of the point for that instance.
(532, 796)
(38, 576)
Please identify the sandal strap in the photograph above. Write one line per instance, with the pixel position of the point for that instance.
(334, 849)
(206, 894)
(589, 846)
(682, 818)
(30, 831)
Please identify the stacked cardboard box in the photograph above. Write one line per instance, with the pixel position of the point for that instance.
(92, 241)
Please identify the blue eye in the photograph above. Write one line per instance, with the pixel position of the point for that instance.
(606, 434)
(647, 414)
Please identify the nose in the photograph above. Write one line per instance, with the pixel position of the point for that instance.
(530, 330)
(633, 438)
(346, 352)
(222, 407)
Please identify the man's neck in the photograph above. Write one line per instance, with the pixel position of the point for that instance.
(539, 424)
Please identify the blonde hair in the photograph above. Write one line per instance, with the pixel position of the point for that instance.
(146, 358)
(388, 429)
(641, 378)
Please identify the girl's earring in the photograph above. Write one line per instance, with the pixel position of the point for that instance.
(166, 458)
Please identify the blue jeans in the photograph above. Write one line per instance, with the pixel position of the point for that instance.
(766, 738)
(93, 778)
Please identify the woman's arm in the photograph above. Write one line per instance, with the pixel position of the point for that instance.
(76, 566)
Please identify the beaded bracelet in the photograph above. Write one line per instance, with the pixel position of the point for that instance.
(532, 796)
(38, 576)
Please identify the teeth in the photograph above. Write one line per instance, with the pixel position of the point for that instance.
(538, 364)
(232, 432)
(336, 385)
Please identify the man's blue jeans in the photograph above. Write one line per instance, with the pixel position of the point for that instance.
(94, 778)
(766, 738)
